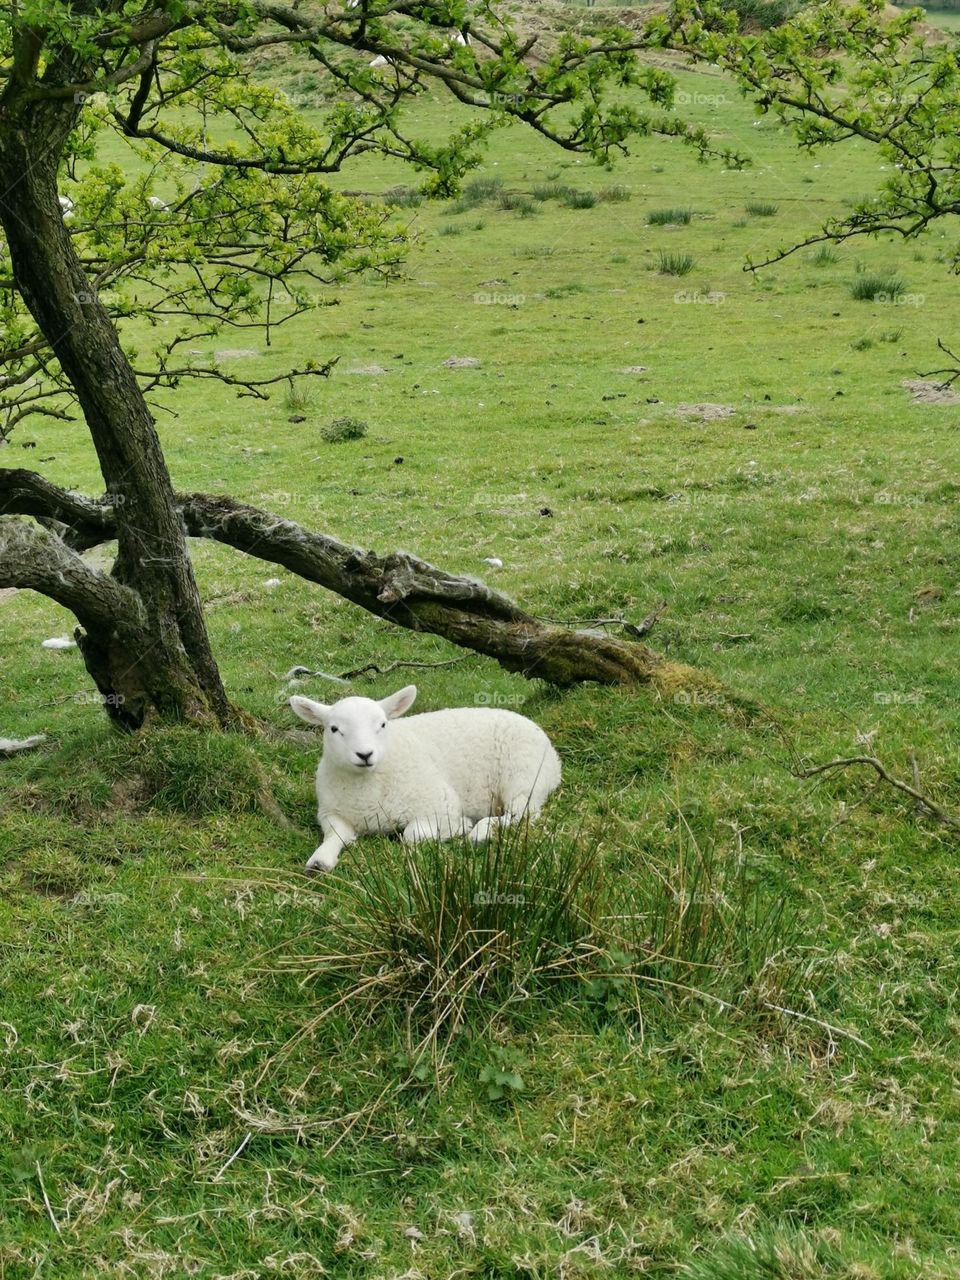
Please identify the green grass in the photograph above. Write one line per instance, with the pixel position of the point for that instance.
(158, 944)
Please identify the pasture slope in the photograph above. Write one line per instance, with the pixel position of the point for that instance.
(738, 445)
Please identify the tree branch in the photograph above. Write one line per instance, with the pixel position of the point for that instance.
(34, 558)
(400, 588)
(84, 523)
(411, 593)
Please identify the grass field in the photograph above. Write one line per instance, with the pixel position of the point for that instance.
(181, 1092)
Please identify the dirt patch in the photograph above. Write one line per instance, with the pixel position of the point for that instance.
(369, 370)
(635, 368)
(928, 391)
(129, 795)
(7, 593)
(705, 412)
(462, 362)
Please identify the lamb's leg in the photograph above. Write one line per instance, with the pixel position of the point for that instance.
(514, 810)
(337, 834)
(421, 829)
(442, 828)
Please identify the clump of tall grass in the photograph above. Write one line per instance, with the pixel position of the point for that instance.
(405, 197)
(479, 189)
(576, 199)
(544, 191)
(823, 256)
(446, 929)
(761, 208)
(675, 264)
(679, 217)
(341, 429)
(449, 934)
(517, 202)
(296, 398)
(879, 287)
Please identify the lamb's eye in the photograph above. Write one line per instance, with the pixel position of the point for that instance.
(334, 729)
(384, 725)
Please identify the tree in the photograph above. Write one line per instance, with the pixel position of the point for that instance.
(839, 71)
(221, 218)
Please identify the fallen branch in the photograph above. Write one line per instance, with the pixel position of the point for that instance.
(398, 587)
(934, 810)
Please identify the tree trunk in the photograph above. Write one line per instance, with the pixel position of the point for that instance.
(170, 671)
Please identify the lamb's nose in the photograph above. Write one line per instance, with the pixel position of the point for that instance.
(365, 756)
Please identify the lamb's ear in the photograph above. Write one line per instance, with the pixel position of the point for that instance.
(312, 712)
(399, 702)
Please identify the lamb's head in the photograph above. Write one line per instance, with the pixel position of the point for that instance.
(354, 729)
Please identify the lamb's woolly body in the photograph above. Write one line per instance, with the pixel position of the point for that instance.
(431, 776)
(457, 766)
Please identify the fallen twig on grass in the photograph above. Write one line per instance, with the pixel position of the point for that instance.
(635, 629)
(236, 1153)
(924, 802)
(372, 667)
(648, 623)
(10, 746)
(46, 1200)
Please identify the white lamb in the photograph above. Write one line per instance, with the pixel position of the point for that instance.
(462, 771)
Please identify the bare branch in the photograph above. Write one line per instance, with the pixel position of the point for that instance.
(929, 806)
(953, 370)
